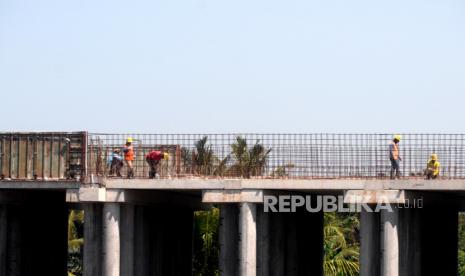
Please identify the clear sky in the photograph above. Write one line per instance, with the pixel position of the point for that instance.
(233, 66)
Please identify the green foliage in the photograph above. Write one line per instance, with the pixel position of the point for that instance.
(206, 246)
(341, 246)
(461, 245)
(204, 158)
(75, 242)
(248, 162)
(281, 171)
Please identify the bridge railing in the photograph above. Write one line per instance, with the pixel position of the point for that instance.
(42, 156)
(280, 155)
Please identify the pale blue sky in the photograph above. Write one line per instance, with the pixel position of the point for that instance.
(229, 66)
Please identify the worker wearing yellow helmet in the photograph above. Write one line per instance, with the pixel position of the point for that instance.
(128, 150)
(394, 156)
(153, 158)
(433, 167)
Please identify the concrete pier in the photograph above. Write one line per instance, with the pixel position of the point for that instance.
(390, 243)
(248, 239)
(111, 239)
(148, 232)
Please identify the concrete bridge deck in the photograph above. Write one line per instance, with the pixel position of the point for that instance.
(237, 184)
(143, 227)
(287, 184)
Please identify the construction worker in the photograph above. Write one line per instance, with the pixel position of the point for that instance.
(153, 159)
(129, 156)
(433, 167)
(394, 156)
(116, 162)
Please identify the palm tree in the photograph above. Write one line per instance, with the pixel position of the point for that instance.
(340, 245)
(249, 162)
(202, 159)
(206, 242)
(75, 242)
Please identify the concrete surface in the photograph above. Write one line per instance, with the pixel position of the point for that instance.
(287, 184)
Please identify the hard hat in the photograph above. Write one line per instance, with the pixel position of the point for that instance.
(397, 137)
(166, 156)
(129, 140)
(434, 157)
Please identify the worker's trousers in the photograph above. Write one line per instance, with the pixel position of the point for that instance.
(153, 168)
(395, 168)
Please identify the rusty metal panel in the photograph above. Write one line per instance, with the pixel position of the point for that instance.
(39, 172)
(46, 158)
(2, 143)
(55, 159)
(29, 158)
(14, 158)
(63, 157)
(6, 159)
(42, 155)
(22, 158)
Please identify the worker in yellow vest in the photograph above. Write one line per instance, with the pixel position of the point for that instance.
(433, 167)
(394, 156)
(128, 151)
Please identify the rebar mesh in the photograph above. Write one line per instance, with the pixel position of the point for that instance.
(289, 156)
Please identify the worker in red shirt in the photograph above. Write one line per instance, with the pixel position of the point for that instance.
(153, 159)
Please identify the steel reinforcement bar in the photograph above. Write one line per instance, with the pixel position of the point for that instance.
(245, 155)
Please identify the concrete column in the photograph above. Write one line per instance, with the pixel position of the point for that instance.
(3, 239)
(228, 239)
(390, 243)
(111, 239)
(369, 243)
(92, 239)
(248, 239)
(127, 239)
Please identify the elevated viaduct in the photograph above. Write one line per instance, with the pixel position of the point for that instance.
(142, 226)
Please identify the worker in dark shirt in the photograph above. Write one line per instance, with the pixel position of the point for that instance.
(153, 159)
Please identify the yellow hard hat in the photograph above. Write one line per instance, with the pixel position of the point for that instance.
(397, 137)
(166, 156)
(434, 157)
(129, 140)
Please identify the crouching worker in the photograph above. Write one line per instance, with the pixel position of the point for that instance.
(116, 163)
(153, 159)
(433, 167)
